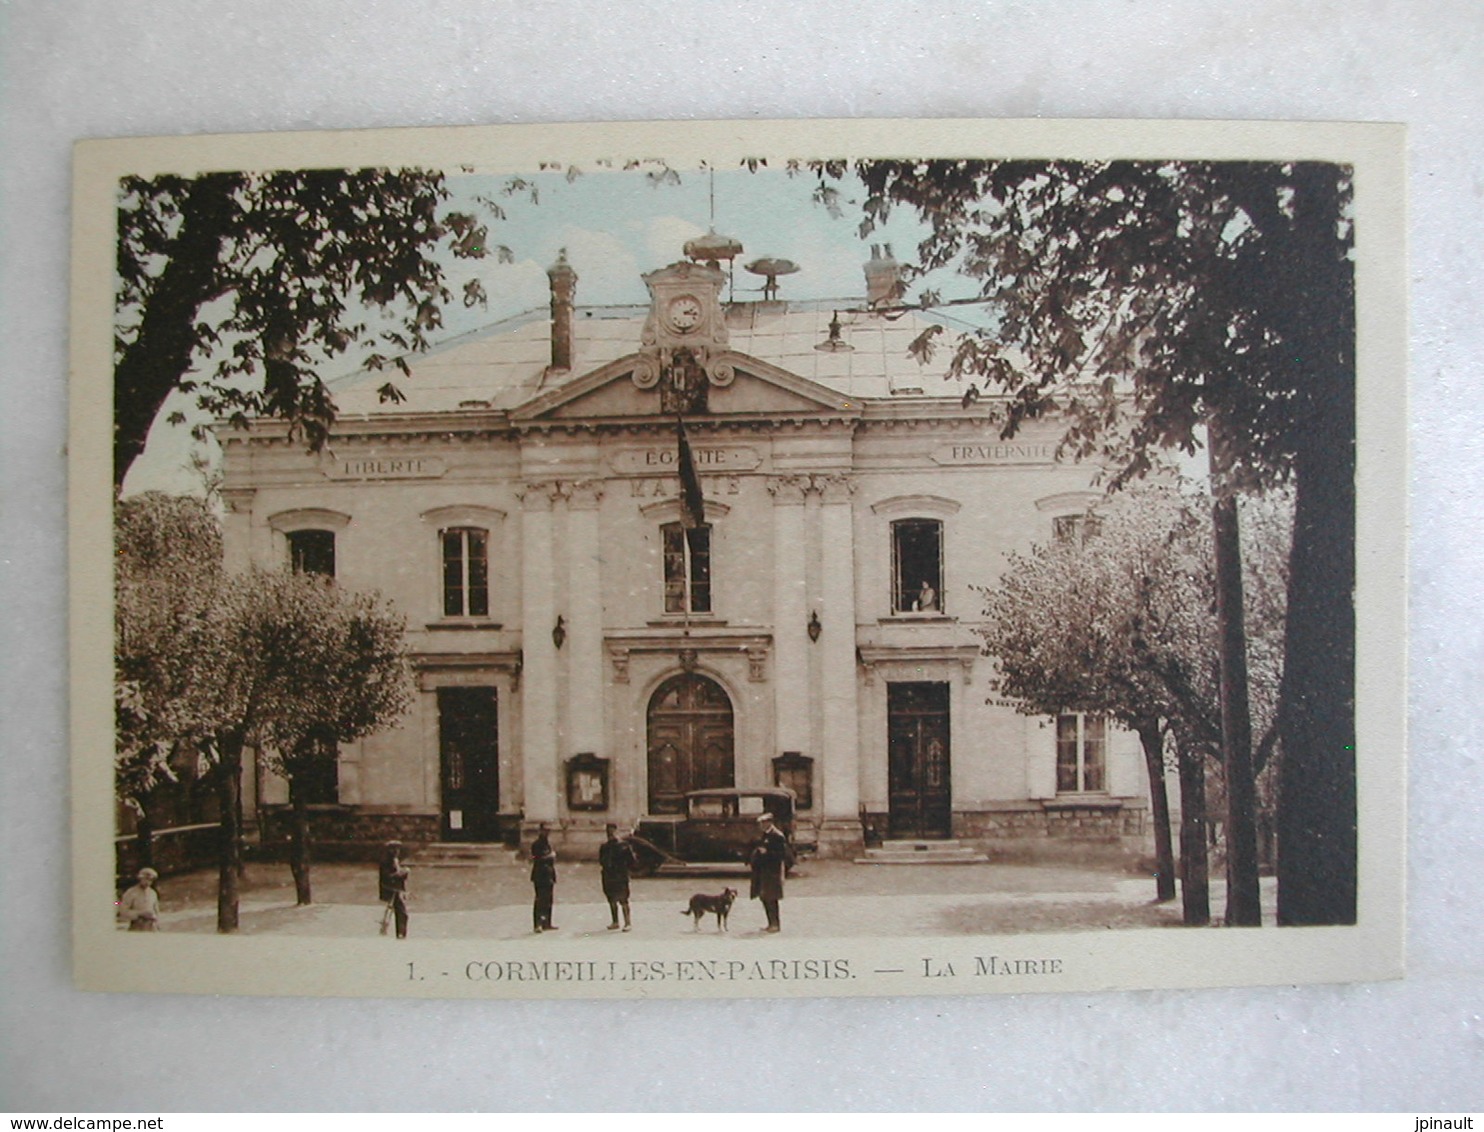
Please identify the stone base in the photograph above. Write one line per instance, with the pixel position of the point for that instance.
(343, 833)
(833, 838)
(573, 838)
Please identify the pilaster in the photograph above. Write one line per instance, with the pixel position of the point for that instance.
(584, 707)
(790, 615)
(841, 753)
(539, 660)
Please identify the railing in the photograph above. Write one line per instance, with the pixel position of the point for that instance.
(175, 849)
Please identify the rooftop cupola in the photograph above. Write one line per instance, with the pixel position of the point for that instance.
(563, 292)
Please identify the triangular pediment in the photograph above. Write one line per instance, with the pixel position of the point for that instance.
(757, 389)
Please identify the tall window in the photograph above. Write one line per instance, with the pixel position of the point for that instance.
(466, 591)
(917, 565)
(312, 552)
(687, 568)
(317, 779)
(1081, 753)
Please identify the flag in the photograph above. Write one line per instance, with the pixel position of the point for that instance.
(692, 503)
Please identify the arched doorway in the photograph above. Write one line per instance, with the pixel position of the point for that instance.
(690, 740)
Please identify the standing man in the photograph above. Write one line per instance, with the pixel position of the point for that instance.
(543, 880)
(392, 878)
(615, 859)
(769, 863)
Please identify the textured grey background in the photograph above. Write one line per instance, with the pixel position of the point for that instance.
(80, 68)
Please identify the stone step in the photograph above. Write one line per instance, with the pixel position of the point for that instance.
(922, 853)
(919, 844)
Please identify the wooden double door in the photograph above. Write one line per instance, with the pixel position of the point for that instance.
(919, 779)
(690, 741)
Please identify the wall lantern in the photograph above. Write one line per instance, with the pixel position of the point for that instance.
(815, 628)
(559, 632)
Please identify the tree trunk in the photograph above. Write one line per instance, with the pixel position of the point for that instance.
(1316, 780)
(1195, 879)
(160, 353)
(1153, 740)
(144, 839)
(1243, 902)
(229, 864)
(299, 845)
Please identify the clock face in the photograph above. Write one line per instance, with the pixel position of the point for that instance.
(684, 313)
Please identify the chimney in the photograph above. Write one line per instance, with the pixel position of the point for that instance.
(883, 277)
(563, 289)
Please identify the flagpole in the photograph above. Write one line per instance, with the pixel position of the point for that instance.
(692, 514)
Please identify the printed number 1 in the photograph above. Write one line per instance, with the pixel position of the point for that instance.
(410, 975)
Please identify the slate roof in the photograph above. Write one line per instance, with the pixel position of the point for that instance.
(504, 365)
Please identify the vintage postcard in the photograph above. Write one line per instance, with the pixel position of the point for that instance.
(739, 559)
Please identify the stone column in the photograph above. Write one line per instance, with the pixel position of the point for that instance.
(841, 754)
(790, 616)
(584, 708)
(538, 692)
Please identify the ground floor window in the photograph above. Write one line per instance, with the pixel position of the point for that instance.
(1081, 753)
(317, 780)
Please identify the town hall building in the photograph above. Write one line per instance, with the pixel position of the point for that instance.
(590, 641)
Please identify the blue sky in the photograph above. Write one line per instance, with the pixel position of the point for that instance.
(616, 226)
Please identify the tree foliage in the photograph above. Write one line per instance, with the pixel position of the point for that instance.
(1146, 302)
(286, 663)
(167, 581)
(261, 278)
(1124, 625)
(309, 664)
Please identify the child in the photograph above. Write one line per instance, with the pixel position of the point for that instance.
(140, 905)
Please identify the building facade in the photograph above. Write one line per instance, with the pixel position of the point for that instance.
(594, 632)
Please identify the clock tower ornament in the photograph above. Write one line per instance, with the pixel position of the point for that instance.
(685, 336)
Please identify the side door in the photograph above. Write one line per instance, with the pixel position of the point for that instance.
(468, 742)
(918, 761)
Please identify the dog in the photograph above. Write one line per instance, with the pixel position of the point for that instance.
(720, 906)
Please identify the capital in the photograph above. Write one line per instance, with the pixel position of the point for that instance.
(538, 495)
(584, 495)
(834, 487)
(789, 490)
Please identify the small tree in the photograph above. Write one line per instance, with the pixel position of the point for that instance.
(1124, 626)
(167, 578)
(313, 666)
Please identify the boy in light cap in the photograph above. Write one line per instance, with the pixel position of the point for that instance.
(140, 905)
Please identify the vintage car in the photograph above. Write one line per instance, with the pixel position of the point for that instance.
(718, 829)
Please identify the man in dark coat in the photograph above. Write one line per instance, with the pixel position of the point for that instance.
(543, 880)
(769, 862)
(616, 858)
(392, 878)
